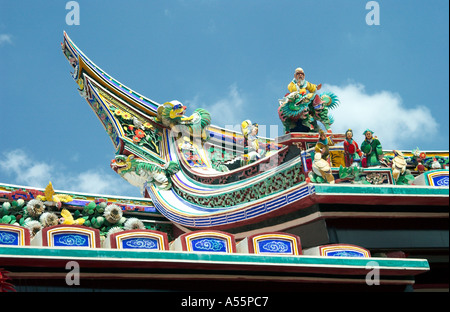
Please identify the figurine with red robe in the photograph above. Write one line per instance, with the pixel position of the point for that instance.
(352, 153)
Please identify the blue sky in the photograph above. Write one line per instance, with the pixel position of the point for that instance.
(234, 58)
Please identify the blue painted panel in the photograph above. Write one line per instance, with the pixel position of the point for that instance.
(9, 238)
(440, 180)
(209, 244)
(140, 243)
(274, 246)
(345, 253)
(71, 240)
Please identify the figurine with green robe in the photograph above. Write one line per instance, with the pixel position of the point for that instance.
(371, 147)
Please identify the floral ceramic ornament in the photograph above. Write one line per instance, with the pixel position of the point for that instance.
(67, 218)
(113, 213)
(53, 199)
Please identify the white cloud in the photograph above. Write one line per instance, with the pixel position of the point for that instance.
(224, 111)
(397, 126)
(5, 39)
(33, 173)
(26, 171)
(94, 182)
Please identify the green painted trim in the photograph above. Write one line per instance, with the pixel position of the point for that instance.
(249, 259)
(381, 189)
(257, 177)
(259, 189)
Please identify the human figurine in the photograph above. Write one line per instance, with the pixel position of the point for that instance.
(251, 143)
(352, 153)
(300, 84)
(320, 164)
(322, 145)
(371, 147)
(398, 165)
(322, 168)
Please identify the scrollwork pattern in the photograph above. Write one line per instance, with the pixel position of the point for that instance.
(281, 181)
(141, 243)
(70, 240)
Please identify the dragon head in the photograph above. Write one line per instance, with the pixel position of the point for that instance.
(294, 106)
(121, 163)
(138, 172)
(171, 113)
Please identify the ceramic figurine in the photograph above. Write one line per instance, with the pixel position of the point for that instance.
(300, 84)
(322, 168)
(398, 165)
(319, 107)
(420, 167)
(251, 144)
(352, 153)
(435, 164)
(322, 146)
(371, 147)
(171, 114)
(302, 112)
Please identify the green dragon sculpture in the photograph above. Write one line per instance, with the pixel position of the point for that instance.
(171, 114)
(302, 112)
(138, 172)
